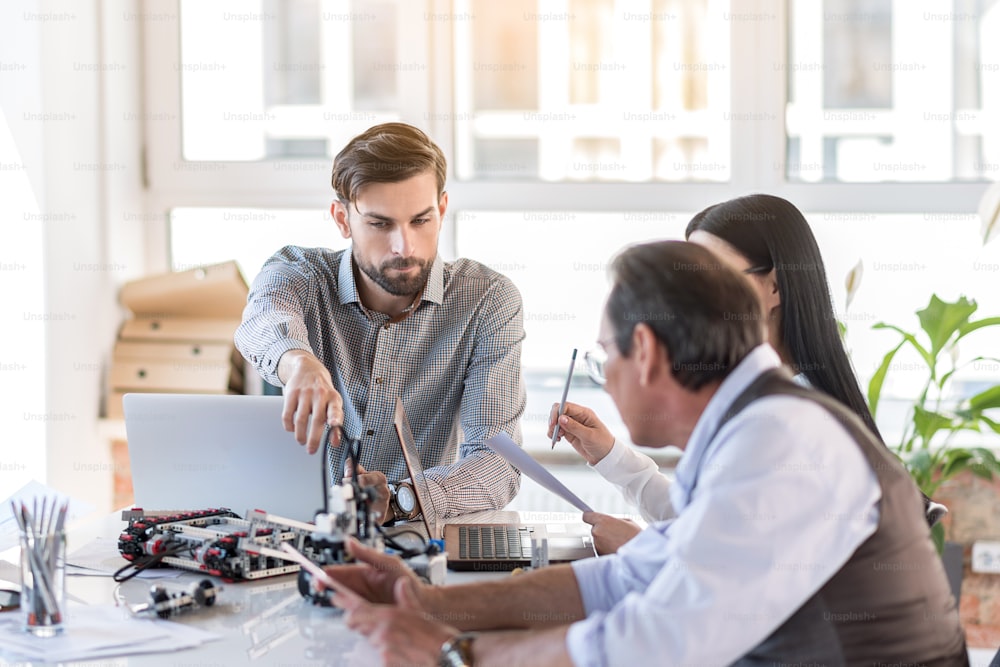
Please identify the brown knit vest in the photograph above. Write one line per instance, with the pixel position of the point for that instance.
(890, 604)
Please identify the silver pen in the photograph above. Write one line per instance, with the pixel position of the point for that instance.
(562, 403)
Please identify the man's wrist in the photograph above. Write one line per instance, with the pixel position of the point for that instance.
(287, 363)
(292, 360)
(457, 651)
(433, 599)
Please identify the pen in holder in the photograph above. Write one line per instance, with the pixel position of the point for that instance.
(43, 567)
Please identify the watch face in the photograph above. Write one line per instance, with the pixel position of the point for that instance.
(405, 499)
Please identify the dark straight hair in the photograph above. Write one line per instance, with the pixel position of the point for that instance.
(771, 233)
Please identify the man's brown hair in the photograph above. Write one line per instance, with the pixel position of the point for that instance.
(387, 153)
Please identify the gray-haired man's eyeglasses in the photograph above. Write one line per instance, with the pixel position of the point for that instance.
(595, 359)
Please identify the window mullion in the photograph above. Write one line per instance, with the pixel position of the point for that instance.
(757, 117)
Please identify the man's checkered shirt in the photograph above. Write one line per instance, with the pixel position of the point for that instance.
(455, 361)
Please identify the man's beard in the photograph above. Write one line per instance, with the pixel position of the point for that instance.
(402, 285)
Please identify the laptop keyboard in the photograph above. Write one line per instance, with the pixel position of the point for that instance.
(496, 542)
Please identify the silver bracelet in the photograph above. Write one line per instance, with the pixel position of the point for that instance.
(457, 651)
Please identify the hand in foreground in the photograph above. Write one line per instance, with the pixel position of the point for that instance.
(609, 532)
(311, 402)
(402, 633)
(374, 575)
(581, 427)
(377, 480)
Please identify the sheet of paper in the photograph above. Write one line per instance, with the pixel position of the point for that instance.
(98, 631)
(520, 459)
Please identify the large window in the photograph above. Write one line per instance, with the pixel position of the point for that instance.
(881, 91)
(591, 90)
(607, 90)
(267, 80)
(576, 127)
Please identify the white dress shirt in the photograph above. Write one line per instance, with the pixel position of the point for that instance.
(639, 478)
(767, 512)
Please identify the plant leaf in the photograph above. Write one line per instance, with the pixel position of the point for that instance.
(994, 426)
(986, 458)
(941, 319)
(912, 340)
(937, 536)
(969, 327)
(920, 465)
(981, 472)
(875, 384)
(958, 460)
(927, 423)
(986, 400)
(944, 378)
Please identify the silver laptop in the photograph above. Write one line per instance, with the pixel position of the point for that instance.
(489, 545)
(191, 452)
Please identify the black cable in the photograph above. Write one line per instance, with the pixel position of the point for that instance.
(147, 563)
(354, 452)
(405, 552)
(327, 430)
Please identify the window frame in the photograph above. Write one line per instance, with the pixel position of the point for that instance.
(758, 92)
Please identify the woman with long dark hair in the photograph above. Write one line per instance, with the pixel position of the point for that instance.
(772, 235)
(769, 240)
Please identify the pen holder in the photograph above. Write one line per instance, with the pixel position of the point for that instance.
(43, 582)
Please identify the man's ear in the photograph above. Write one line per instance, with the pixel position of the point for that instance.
(442, 205)
(647, 352)
(340, 215)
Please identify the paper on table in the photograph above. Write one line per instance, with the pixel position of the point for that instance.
(99, 631)
(520, 459)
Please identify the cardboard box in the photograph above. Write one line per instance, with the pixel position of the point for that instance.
(186, 330)
(179, 376)
(180, 335)
(192, 351)
(216, 291)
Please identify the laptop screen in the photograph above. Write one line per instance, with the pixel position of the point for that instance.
(193, 452)
(412, 456)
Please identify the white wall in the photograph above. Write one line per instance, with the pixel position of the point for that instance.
(22, 343)
(80, 131)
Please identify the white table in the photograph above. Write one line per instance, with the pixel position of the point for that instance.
(262, 622)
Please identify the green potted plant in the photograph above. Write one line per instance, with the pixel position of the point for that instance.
(933, 420)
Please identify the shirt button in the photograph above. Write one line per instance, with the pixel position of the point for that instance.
(371, 432)
(378, 380)
(385, 326)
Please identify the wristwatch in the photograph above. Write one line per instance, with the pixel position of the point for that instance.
(457, 651)
(403, 501)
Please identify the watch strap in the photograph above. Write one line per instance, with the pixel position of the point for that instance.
(457, 651)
